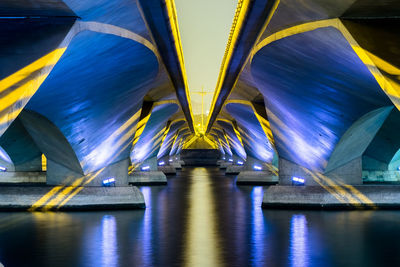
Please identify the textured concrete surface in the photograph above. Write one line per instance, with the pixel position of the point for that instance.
(256, 178)
(363, 196)
(23, 177)
(200, 157)
(349, 173)
(147, 178)
(167, 169)
(225, 164)
(176, 165)
(58, 174)
(233, 169)
(89, 198)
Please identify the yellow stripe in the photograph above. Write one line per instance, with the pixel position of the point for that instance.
(372, 62)
(242, 9)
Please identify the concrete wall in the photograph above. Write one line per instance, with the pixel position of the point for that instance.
(200, 157)
(58, 174)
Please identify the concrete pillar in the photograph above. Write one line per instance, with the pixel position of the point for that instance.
(175, 162)
(147, 173)
(349, 173)
(166, 168)
(58, 174)
(34, 165)
(236, 166)
(255, 171)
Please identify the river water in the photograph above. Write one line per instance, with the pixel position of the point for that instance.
(201, 219)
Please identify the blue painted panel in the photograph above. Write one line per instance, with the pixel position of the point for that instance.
(315, 87)
(234, 142)
(97, 86)
(255, 141)
(146, 147)
(169, 139)
(122, 13)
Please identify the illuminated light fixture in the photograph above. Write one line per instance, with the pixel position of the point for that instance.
(161, 163)
(3, 169)
(223, 158)
(109, 182)
(398, 168)
(239, 162)
(230, 160)
(258, 168)
(170, 160)
(145, 168)
(298, 180)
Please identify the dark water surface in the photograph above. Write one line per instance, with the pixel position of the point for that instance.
(201, 219)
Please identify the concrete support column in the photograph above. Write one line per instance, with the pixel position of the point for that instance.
(166, 167)
(58, 174)
(255, 171)
(175, 162)
(349, 173)
(236, 166)
(147, 173)
(34, 165)
(29, 172)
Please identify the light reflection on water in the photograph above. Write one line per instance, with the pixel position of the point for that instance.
(146, 228)
(257, 225)
(109, 244)
(201, 219)
(202, 239)
(298, 241)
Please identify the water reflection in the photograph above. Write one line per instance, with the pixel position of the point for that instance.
(257, 228)
(202, 239)
(146, 230)
(109, 241)
(201, 219)
(298, 241)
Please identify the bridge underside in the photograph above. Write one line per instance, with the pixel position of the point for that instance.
(94, 98)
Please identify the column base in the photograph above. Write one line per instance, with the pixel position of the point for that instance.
(316, 197)
(225, 164)
(88, 198)
(22, 177)
(147, 178)
(176, 165)
(167, 169)
(256, 178)
(233, 169)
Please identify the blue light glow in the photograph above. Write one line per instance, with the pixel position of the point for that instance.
(109, 182)
(223, 158)
(161, 163)
(170, 160)
(299, 254)
(256, 167)
(239, 162)
(3, 169)
(230, 160)
(145, 168)
(298, 180)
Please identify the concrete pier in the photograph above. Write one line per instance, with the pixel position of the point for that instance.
(167, 169)
(22, 177)
(316, 197)
(147, 173)
(89, 198)
(147, 178)
(256, 172)
(256, 178)
(233, 169)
